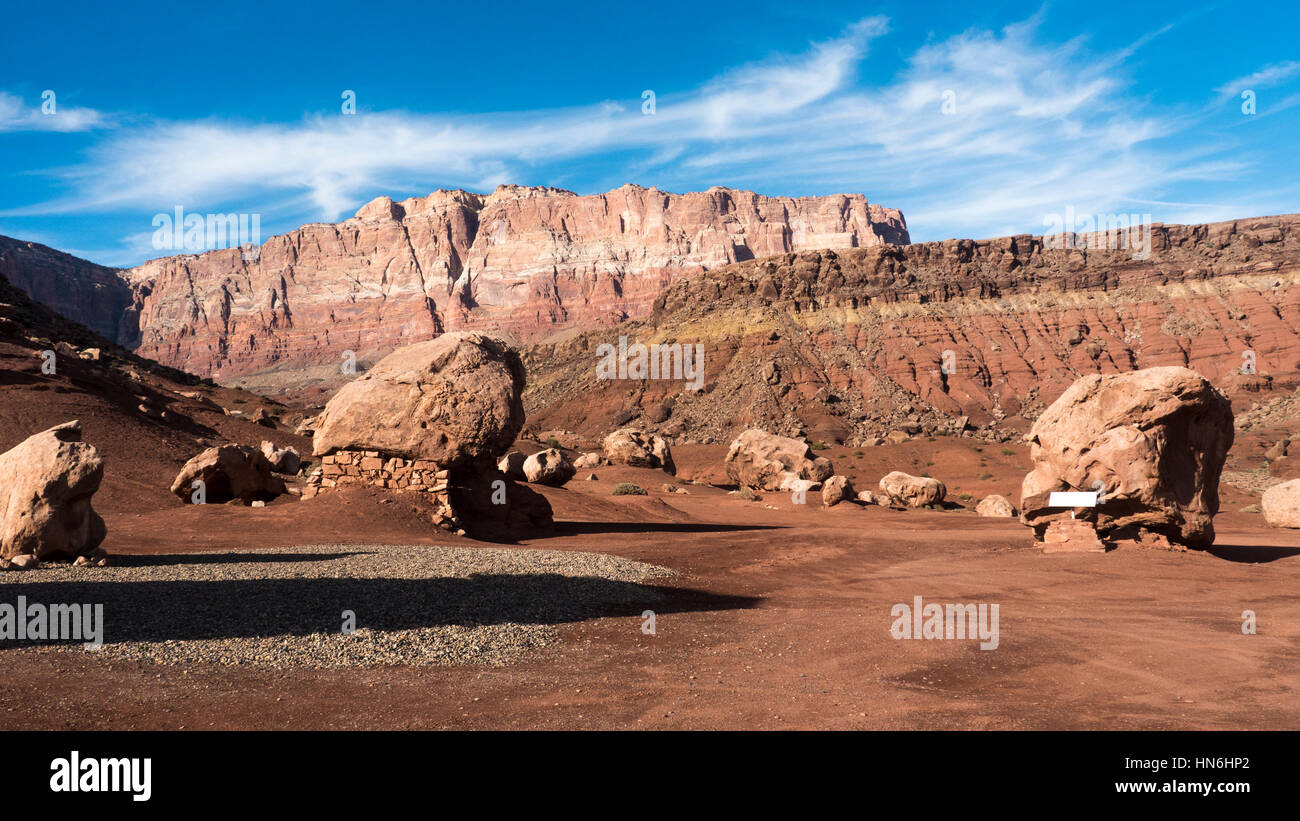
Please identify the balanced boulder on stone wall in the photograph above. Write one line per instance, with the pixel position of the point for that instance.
(1152, 444)
(455, 400)
(434, 418)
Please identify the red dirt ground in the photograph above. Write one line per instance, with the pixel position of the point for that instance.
(1129, 639)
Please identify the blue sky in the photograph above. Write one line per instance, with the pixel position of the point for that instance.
(238, 109)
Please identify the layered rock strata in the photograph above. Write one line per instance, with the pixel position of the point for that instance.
(521, 263)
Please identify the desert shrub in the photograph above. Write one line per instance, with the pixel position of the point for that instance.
(1008, 452)
(628, 489)
(553, 443)
(745, 493)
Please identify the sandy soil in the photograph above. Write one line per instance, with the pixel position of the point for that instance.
(779, 618)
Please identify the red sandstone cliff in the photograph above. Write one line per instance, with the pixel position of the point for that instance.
(841, 344)
(523, 263)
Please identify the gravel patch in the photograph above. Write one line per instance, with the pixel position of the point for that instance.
(1250, 481)
(413, 605)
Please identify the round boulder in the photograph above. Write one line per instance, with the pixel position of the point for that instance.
(1151, 442)
(454, 400)
(638, 449)
(549, 467)
(996, 506)
(836, 489)
(761, 460)
(283, 460)
(912, 491)
(512, 465)
(1281, 504)
(228, 472)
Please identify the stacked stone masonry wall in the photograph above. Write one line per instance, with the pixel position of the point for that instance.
(369, 467)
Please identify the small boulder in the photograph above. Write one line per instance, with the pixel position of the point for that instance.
(512, 465)
(228, 473)
(762, 460)
(95, 558)
(913, 491)
(836, 489)
(24, 561)
(549, 467)
(589, 460)
(866, 497)
(1281, 504)
(283, 460)
(793, 484)
(45, 509)
(638, 449)
(264, 418)
(996, 506)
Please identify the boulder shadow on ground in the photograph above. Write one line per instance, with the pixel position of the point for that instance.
(501, 534)
(1252, 554)
(577, 528)
(245, 608)
(170, 559)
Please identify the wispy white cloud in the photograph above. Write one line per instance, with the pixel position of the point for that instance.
(981, 133)
(1266, 77)
(47, 114)
(339, 159)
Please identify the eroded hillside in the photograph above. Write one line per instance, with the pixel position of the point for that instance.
(845, 346)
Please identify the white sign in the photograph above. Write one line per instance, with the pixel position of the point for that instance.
(1073, 499)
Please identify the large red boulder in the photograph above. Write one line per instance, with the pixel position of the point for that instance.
(763, 461)
(455, 400)
(1152, 442)
(48, 480)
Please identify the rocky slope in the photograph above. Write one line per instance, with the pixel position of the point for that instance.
(145, 419)
(845, 346)
(522, 263)
(93, 295)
